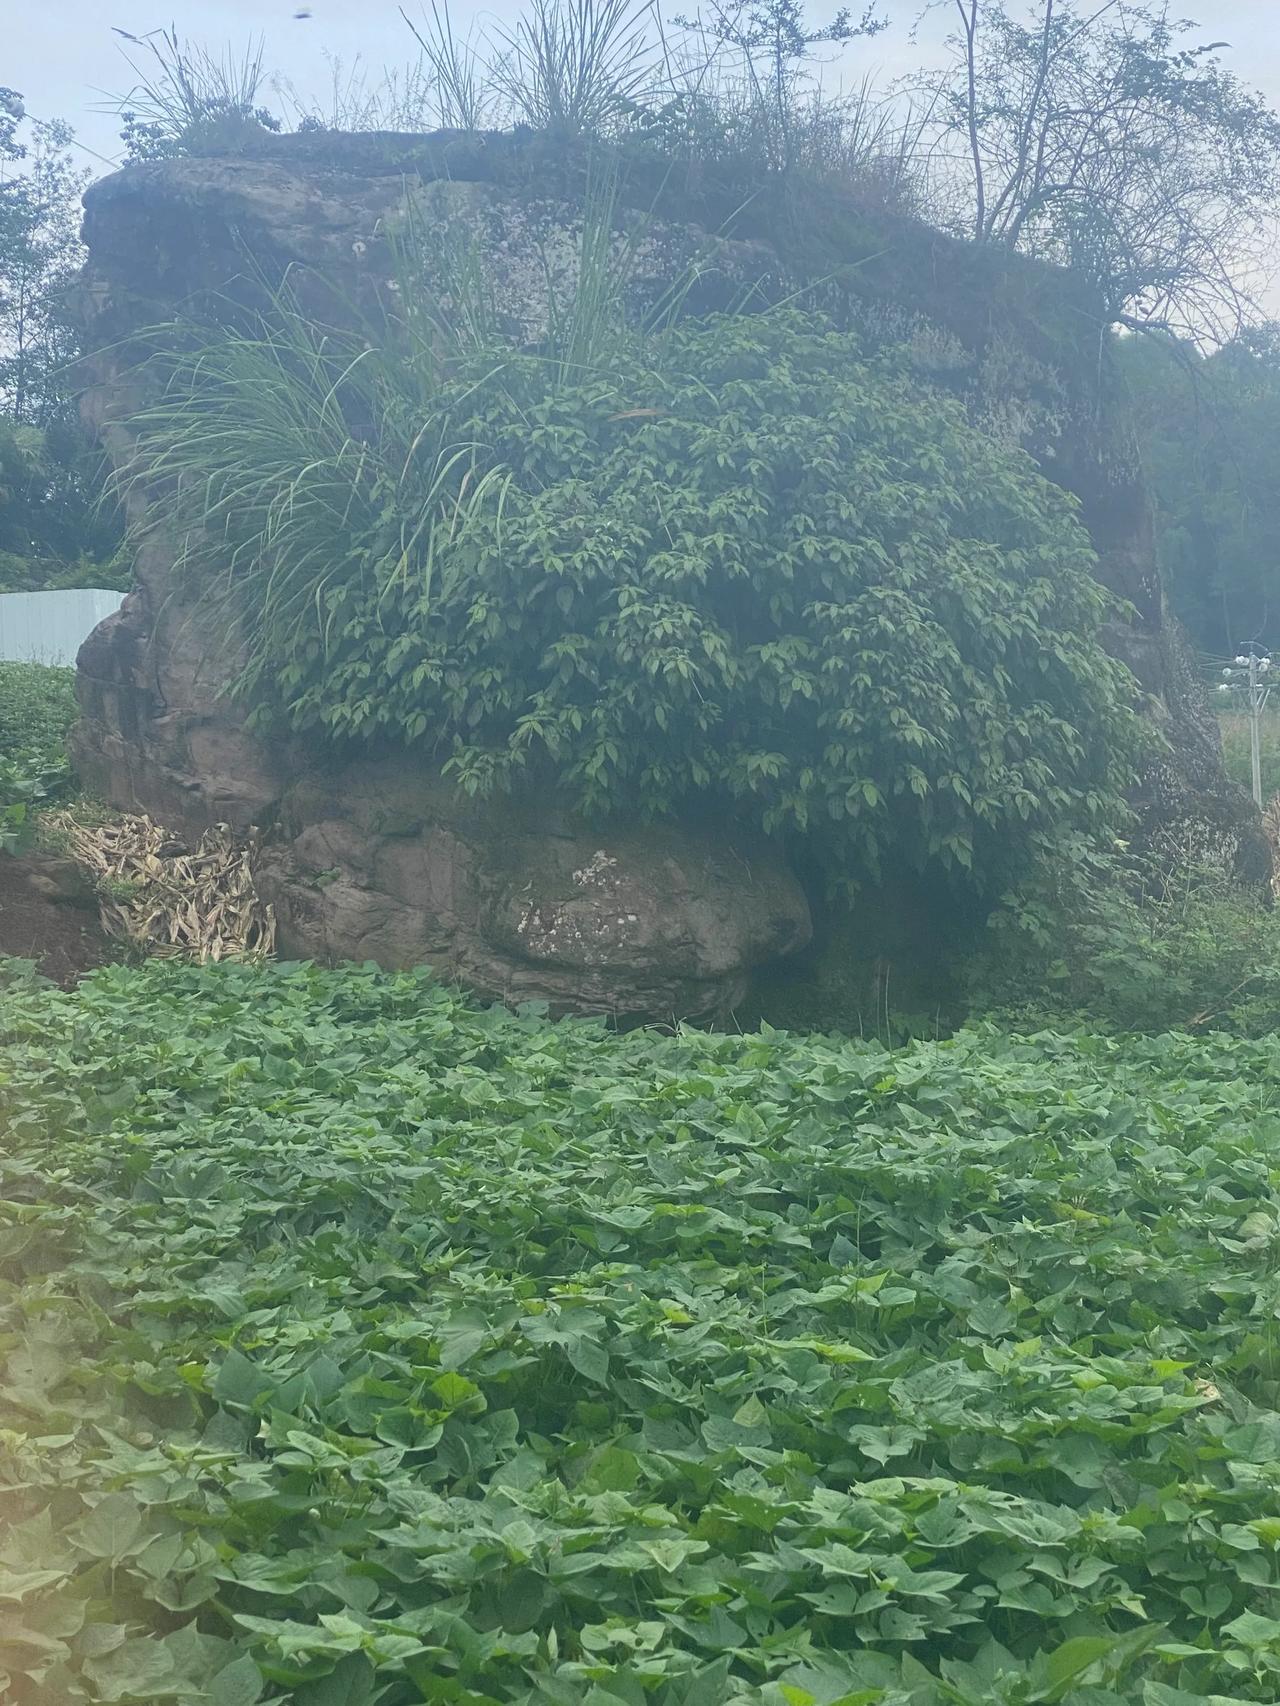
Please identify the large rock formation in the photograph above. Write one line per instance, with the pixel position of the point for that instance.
(375, 858)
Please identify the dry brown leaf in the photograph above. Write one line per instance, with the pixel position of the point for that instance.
(201, 902)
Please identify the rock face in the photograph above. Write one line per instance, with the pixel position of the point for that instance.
(376, 859)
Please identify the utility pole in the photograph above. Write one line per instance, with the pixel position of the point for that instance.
(1251, 674)
(1255, 730)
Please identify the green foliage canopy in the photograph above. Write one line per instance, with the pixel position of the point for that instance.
(53, 530)
(743, 560)
(1209, 431)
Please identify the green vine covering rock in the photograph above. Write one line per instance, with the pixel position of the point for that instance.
(745, 560)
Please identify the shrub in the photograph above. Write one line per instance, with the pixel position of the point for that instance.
(743, 562)
(1133, 944)
(37, 708)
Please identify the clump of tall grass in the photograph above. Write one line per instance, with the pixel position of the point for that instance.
(187, 99)
(736, 93)
(577, 66)
(567, 67)
(314, 472)
(306, 467)
(459, 69)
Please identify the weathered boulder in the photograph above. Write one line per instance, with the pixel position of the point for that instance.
(375, 861)
(374, 857)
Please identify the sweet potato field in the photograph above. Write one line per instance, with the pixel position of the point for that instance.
(360, 1346)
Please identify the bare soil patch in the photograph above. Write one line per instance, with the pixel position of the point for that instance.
(62, 937)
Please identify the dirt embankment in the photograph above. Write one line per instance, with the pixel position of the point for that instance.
(60, 933)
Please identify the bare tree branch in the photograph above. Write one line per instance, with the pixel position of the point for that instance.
(1100, 138)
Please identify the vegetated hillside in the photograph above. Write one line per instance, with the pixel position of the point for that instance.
(363, 1346)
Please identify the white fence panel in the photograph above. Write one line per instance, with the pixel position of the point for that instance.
(50, 627)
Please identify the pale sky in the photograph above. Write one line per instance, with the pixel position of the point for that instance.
(61, 54)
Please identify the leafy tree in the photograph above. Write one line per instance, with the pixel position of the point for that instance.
(12, 112)
(39, 255)
(55, 528)
(1108, 137)
(50, 475)
(1209, 428)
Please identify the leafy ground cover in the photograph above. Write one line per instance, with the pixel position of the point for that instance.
(37, 707)
(363, 1347)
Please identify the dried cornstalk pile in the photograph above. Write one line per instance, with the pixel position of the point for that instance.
(169, 902)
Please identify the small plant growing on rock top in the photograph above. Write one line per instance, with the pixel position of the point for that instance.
(1130, 941)
(188, 100)
(742, 562)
